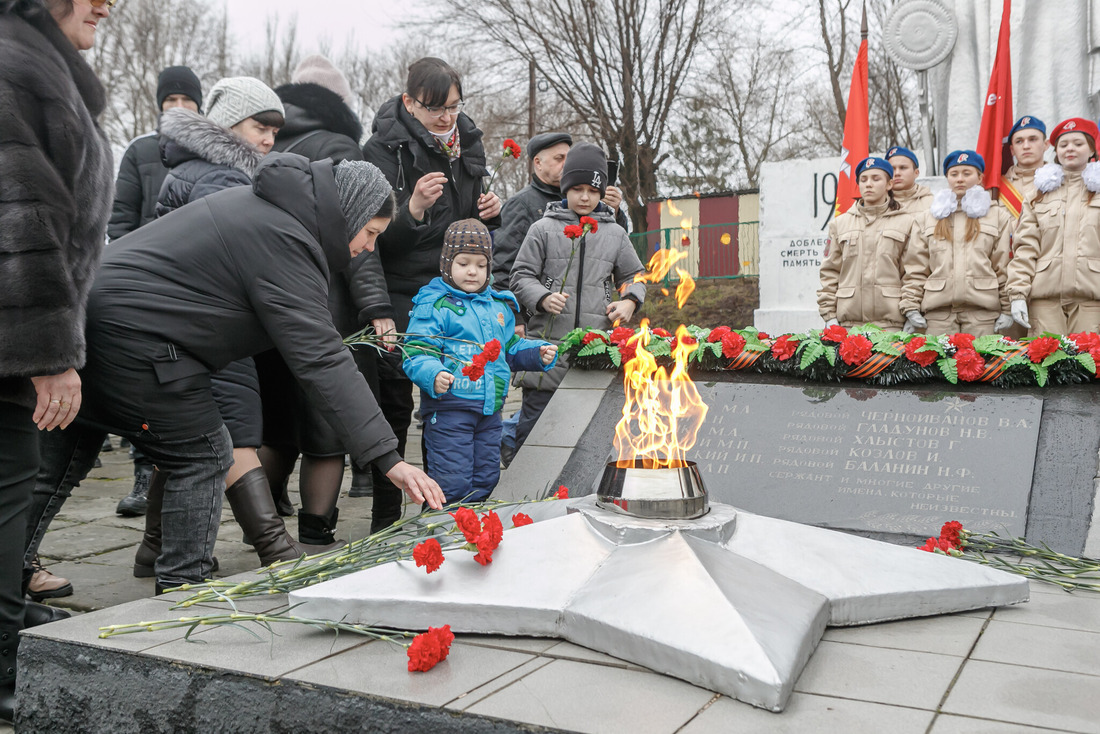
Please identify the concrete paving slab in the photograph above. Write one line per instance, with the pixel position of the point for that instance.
(808, 713)
(98, 502)
(83, 541)
(381, 668)
(84, 628)
(1080, 610)
(1054, 648)
(467, 700)
(948, 635)
(966, 725)
(569, 651)
(536, 645)
(878, 674)
(593, 698)
(1029, 696)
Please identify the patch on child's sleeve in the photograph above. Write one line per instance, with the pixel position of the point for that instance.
(422, 311)
(450, 303)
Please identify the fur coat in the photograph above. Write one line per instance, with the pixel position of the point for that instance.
(56, 188)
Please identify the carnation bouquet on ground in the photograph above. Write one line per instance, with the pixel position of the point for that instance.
(867, 353)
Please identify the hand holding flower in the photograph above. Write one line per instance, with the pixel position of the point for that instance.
(443, 382)
(554, 303)
(621, 310)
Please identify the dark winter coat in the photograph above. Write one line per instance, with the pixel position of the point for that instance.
(140, 176)
(202, 157)
(405, 151)
(233, 274)
(592, 268)
(56, 183)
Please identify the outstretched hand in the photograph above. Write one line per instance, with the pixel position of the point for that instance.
(417, 485)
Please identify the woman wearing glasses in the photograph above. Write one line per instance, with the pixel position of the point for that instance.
(433, 156)
(56, 186)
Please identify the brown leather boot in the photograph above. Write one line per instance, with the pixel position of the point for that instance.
(254, 509)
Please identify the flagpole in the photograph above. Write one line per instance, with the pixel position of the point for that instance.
(926, 124)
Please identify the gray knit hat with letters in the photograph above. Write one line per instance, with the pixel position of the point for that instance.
(238, 98)
(363, 189)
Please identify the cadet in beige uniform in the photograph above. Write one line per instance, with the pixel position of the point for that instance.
(861, 275)
(1054, 277)
(1028, 139)
(955, 274)
(913, 197)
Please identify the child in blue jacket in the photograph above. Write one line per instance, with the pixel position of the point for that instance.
(453, 318)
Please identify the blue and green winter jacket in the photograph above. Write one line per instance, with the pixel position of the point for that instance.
(440, 310)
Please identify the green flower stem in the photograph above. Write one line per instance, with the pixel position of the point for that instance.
(1039, 562)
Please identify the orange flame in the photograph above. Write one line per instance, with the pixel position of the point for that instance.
(672, 210)
(663, 411)
(660, 265)
(685, 288)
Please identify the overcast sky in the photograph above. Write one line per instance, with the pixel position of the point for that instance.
(372, 21)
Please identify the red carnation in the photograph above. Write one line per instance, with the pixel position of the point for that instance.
(492, 350)
(922, 358)
(562, 493)
(628, 350)
(430, 554)
(762, 335)
(784, 348)
(1041, 348)
(962, 341)
(573, 231)
(1086, 341)
(511, 148)
(661, 332)
(855, 350)
(717, 333)
(621, 334)
(589, 224)
(930, 545)
(430, 648)
(835, 333)
(492, 526)
(591, 337)
(970, 364)
(688, 340)
(467, 522)
(474, 371)
(951, 532)
(520, 519)
(732, 345)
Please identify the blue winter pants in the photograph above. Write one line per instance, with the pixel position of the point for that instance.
(463, 453)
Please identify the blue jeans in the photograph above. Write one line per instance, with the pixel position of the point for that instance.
(194, 470)
(462, 453)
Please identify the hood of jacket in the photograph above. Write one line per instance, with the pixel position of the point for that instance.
(312, 107)
(186, 135)
(395, 128)
(560, 210)
(307, 191)
(437, 288)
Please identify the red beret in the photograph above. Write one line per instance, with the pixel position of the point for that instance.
(1075, 125)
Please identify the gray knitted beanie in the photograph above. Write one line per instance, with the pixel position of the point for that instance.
(238, 98)
(363, 189)
(465, 235)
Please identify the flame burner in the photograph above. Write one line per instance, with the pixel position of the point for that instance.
(672, 493)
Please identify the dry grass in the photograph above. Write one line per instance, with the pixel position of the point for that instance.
(728, 302)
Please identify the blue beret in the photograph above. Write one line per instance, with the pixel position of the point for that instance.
(871, 164)
(1027, 122)
(963, 158)
(900, 150)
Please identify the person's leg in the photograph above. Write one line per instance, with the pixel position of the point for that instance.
(19, 461)
(1083, 316)
(449, 451)
(941, 322)
(1047, 316)
(135, 503)
(278, 463)
(320, 480)
(978, 323)
(486, 472)
(508, 438)
(534, 403)
(395, 398)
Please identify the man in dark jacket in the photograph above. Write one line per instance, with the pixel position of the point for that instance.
(141, 172)
(233, 274)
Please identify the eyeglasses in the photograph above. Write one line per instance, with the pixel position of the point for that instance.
(100, 3)
(438, 112)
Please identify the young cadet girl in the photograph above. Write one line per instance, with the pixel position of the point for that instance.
(955, 273)
(861, 275)
(1054, 277)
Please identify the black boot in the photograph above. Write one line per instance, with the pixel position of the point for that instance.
(318, 529)
(37, 614)
(145, 559)
(254, 509)
(137, 502)
(362, 484)
(9, 645)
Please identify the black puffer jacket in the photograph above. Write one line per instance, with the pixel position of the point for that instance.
(202, 157)
(140, 176)
(405, 151)
(233, 274)
(56, 182)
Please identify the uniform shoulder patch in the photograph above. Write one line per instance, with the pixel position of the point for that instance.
(451, 303)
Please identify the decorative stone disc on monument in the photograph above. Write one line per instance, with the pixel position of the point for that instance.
(874, 460)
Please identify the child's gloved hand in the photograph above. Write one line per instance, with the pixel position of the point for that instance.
(620, 310)
(554, 303)
(443, 382)
(548, 352)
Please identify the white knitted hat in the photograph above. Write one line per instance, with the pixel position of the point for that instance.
(237, 98)
(316, 69)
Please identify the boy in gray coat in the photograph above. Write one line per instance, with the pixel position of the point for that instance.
(571, 283)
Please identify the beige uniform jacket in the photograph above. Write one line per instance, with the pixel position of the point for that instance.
(861, 275)
(1024, 181)
(1058, 246)
(959, 275)
(915, 201)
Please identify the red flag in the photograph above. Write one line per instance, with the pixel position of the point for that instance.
(857, 130)
(993, 145)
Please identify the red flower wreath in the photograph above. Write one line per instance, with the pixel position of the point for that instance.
(784, 348)
(1041, 348)
(855, 350)
(970, 364)
(835, 333)
(732, 345)
(922, 358)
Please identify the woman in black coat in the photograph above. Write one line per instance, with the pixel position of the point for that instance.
(226, 277)
(56, 187)
(432, 155)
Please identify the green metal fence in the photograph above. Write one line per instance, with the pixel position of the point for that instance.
(730, 250)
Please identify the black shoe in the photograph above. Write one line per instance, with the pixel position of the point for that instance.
(137, 502)
(106, 444)
(362, 483)
(37, 614)
(98, 463)
(7, 701)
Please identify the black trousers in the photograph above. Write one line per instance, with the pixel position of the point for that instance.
(18, 468)
(395, 398)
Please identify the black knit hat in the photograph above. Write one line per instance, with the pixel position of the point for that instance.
(585, 164)
(465, 235)
(178, 80)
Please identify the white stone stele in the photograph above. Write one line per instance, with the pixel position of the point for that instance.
(732, 602)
